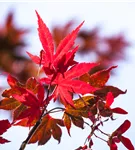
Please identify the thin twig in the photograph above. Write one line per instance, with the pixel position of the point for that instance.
(99, 137)
(103, 132)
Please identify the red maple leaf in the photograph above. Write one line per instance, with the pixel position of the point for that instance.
(56, 65)
(68, 83)
(52, 61)
(34, 103)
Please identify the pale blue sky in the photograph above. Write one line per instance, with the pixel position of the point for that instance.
(112, 18)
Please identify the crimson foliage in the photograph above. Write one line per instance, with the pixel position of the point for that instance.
(29, 102)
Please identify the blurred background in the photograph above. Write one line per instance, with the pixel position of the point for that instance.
(107, 36)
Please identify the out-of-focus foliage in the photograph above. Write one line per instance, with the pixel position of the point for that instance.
(107, 50)
(12, 44)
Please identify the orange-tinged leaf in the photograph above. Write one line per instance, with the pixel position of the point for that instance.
(10, 92)
(83, 112)
(78, 121)
(100, 78)
(76, 117)
(25, 123)
(56, 131)
(81, 109)
(31, 84)
(67, 122)
(9, 104)
(83, 101)
(27, 100)
(49, 126)
(85, 77)
(7, 93)
(18, 111)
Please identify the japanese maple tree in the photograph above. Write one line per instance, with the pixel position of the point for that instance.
(85, 97)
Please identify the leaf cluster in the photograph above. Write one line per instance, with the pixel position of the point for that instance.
(29, 102)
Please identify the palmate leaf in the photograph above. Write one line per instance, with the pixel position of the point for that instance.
(48, 127)
(32, 102)
(26, 101)
(64, 88)
(67, 83)
(64, 53)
